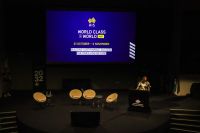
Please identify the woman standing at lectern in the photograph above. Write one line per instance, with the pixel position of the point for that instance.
(144, 84)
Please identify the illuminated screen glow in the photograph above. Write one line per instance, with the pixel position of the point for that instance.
(90, 36)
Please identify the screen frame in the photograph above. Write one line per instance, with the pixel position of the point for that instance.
(94, 9)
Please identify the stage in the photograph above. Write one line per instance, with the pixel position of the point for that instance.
(56, 117)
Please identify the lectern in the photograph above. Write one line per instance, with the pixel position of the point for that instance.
(139, 101)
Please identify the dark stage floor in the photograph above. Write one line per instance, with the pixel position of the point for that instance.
(56, 118)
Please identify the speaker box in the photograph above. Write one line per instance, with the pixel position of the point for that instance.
(195, 90)
(85, 119)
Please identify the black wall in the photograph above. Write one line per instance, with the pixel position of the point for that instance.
(190, 52)
(156, 56)
(1, 29)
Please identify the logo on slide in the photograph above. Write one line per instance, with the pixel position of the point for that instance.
(92, 22)
(138, 103)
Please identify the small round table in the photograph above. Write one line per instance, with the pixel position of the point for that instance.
(99, 102)
(49, 98)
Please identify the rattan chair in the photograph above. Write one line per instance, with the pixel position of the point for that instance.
(111, 100)
(89, 96)
(75, 95)
(40, 98)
